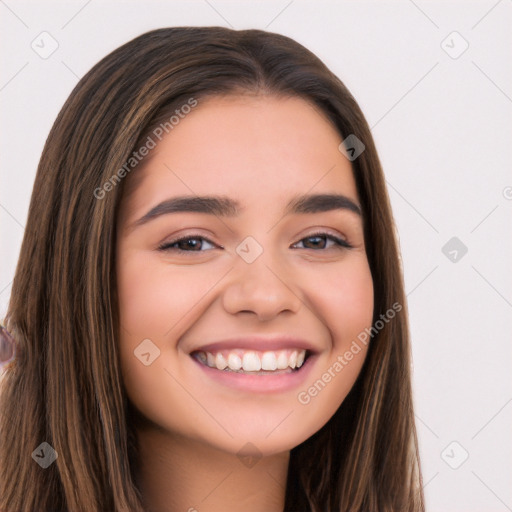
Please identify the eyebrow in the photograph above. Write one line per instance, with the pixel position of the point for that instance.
(223, 206)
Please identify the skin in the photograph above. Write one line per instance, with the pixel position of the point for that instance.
(261, 151)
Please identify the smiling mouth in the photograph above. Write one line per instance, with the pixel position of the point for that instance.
(252, 362)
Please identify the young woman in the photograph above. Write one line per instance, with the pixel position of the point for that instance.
(208, 311)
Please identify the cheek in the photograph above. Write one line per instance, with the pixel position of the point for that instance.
(153, 297)
(345, 306)
(158, 302)
(345, 302)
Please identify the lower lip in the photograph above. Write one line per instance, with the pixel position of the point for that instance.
(265, 383)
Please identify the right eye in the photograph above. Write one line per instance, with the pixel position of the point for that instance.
(191, 243)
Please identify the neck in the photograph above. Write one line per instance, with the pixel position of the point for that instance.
(177, 474)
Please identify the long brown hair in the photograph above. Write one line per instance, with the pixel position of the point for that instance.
(64, 386)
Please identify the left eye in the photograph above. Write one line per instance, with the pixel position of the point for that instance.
(319, 241)
(186, 244)
(196, 243)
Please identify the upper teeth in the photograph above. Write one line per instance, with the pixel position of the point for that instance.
(252, 361)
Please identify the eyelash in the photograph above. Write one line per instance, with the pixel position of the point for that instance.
(166, 246)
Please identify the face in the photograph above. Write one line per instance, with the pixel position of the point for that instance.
(237, 314)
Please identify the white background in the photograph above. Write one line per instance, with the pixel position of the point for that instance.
(443, 130)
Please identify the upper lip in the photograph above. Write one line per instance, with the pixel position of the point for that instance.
(258, 343)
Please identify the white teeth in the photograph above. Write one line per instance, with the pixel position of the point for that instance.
(269, 361)
(300, 358)
(234, 362)
(220, 362)
(282, 361)
(251, 362)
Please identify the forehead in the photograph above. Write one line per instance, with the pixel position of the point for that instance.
(259, 149)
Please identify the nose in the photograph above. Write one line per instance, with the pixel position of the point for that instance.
(259, 288)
